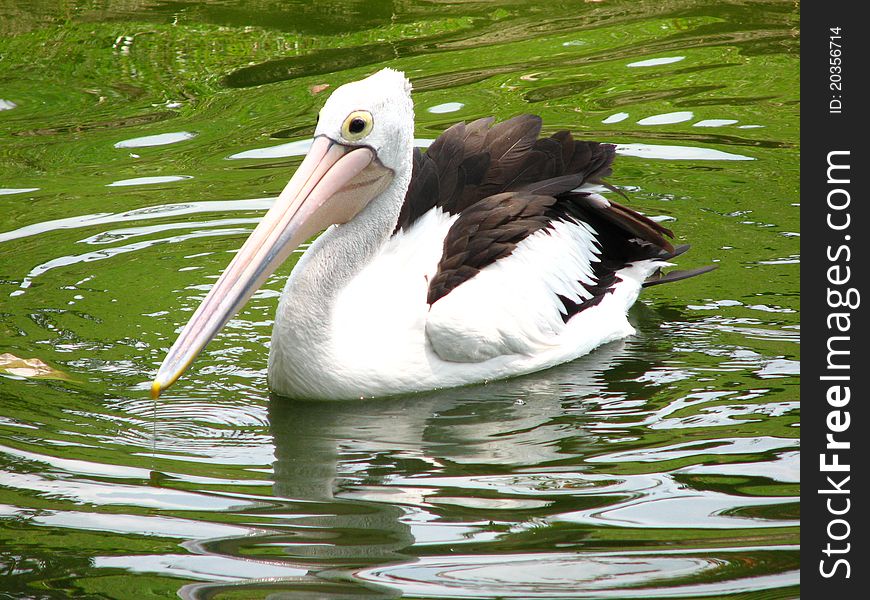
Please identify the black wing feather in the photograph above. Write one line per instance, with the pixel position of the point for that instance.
(506, 184)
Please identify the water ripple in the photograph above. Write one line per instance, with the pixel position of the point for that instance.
(584, 575)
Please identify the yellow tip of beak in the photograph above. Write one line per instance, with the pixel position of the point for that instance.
(156, 388)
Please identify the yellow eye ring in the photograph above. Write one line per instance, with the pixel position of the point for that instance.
(357, 125)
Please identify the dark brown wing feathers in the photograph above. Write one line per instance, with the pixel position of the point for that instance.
(487, 231)
(506, 184)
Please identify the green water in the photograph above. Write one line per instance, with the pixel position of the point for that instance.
(662, 466)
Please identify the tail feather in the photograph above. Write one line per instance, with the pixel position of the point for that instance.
(658, 277)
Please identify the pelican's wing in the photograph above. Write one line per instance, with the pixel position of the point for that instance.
(469, 162)
(526, 251)
(518, 267)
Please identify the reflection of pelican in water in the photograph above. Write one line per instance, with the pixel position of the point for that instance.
(336, 465)
(473, 486)
(504, 423)
(478, 260)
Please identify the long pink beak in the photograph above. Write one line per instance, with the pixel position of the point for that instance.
(307, 205)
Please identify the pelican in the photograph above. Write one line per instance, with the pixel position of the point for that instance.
(481, 259)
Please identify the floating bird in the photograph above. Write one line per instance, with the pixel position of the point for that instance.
(480, 259)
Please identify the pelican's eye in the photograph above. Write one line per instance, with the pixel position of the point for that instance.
(357, 125)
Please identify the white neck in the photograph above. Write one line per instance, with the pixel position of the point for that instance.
(304, 312)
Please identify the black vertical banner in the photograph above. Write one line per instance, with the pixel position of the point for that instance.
(835, 357)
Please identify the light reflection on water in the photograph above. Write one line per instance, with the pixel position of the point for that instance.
(572, 576)
(665, 465)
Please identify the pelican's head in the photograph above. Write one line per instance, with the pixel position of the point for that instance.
(374, 113)
(363, 140)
